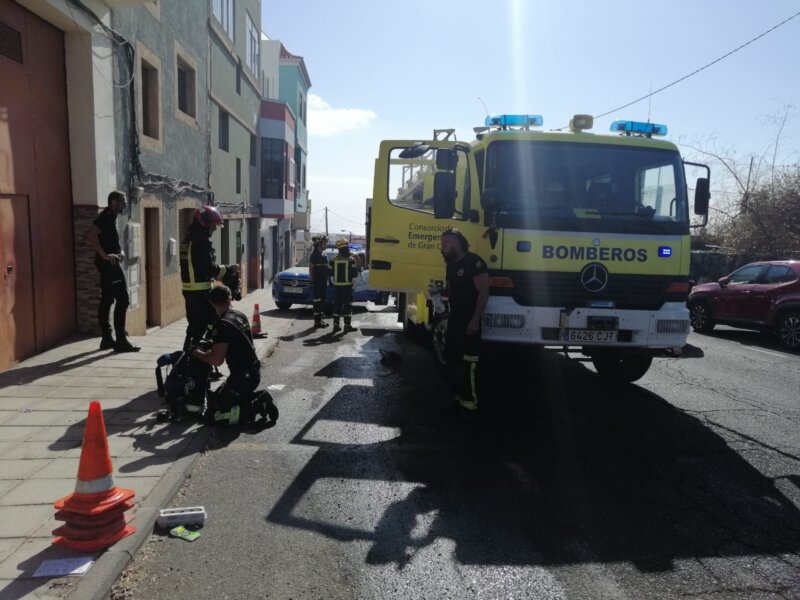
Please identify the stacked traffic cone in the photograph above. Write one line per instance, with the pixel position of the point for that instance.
(94, 514)
(255, 325)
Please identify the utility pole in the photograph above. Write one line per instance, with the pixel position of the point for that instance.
(326, 221)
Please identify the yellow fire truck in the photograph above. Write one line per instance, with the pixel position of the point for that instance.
(586, 236)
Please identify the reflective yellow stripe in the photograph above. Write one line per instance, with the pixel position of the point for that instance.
(194, 287)
(222, 270)
(473, 387)
(189, 264)
(472, 359)
(337, 264)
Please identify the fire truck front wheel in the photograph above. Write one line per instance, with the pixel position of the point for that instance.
(618, 368)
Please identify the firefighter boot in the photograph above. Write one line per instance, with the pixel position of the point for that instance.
(336, 325)
(348, 326)
(319, 323)
(107, 342)
(124, 345)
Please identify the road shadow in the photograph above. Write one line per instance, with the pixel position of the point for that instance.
(304, 312)
(748, 337)
(329, 337)
(561, 468)
(299, 335)
(29, 374)
(136, 419)
(690, 351)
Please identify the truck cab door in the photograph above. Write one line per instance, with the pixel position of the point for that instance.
(414, 184)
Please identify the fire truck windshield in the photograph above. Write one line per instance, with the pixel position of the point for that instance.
(588, 186)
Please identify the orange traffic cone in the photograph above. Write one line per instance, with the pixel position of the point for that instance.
(255, 326)
(94, 514)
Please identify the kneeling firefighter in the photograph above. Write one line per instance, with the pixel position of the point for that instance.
(198, 271)
(233, 344)
(344, 271)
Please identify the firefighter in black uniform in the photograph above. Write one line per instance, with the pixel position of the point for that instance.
(233, 344)
(198, 271)
(319, 272)
(103, 237)
(468, 292)
(344, 270)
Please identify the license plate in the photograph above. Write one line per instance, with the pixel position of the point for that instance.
(593, 336)
(293, 290)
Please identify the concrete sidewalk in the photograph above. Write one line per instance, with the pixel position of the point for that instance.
(43, 406)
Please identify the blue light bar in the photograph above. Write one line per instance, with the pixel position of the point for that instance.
(639, 127)
(514, 121)
(664, 251)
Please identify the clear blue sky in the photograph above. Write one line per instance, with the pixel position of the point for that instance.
(390, 70)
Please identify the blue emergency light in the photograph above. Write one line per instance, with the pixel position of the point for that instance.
(514, 121)
(647, 129)
(664, 251)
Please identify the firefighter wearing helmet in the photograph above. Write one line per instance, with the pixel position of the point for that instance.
(318, 272)
(198, 272)
(344, 271)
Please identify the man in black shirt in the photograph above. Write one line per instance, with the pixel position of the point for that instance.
(318, 272)
(103, 237)
(233, 344)
(468, 292)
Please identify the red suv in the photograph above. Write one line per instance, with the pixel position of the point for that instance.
(763, 295)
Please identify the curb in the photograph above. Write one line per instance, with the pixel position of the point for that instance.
(107, 569)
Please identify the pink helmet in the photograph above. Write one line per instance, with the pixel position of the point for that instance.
(208, 216)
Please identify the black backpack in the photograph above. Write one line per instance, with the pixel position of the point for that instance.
(186, 385)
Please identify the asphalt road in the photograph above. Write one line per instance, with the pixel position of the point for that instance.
(686, 484)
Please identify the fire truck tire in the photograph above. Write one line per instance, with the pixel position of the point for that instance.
(412, 331)
(621, 369)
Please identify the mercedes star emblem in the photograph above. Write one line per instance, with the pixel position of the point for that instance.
(594, 277)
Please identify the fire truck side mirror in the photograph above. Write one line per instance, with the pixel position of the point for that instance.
(444, 195)
(446, 159)
(702, 195)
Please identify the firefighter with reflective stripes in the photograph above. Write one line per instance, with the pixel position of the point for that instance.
(467, 292)
(198, 272)
(344, 271)
(319, 272)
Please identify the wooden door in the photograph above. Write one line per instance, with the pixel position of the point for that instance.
(35, 171)
(17, 323)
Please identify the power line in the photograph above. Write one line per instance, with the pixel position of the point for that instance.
(704, 67)
(345, 218)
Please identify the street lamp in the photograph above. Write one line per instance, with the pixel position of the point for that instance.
(350, 235)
